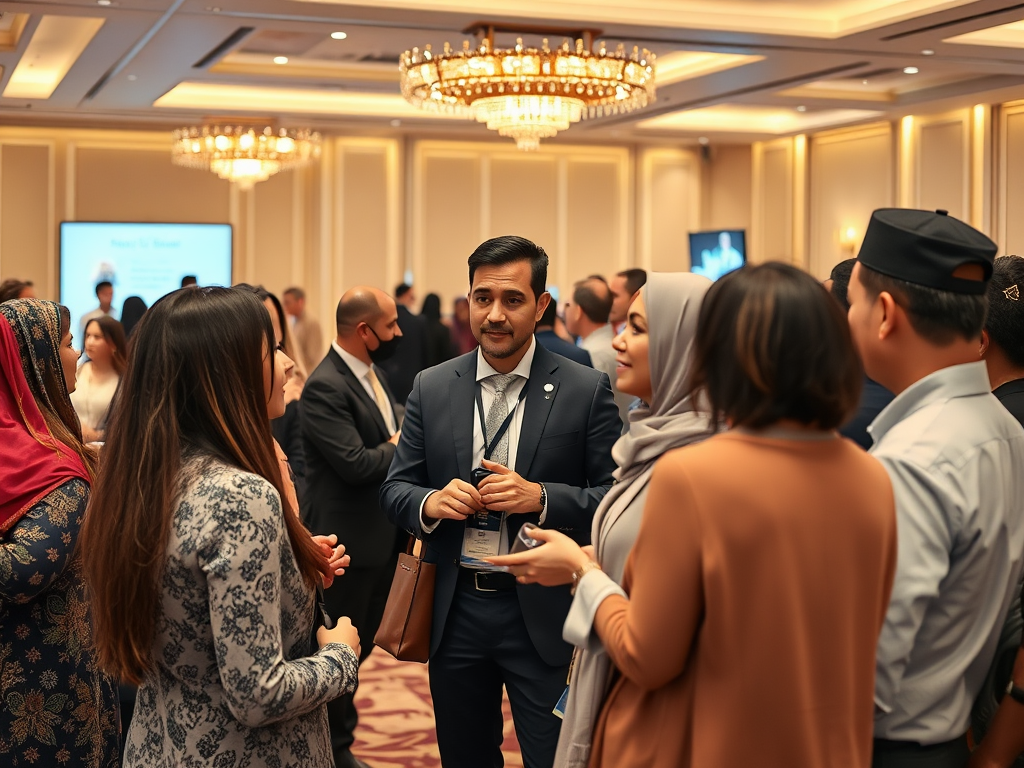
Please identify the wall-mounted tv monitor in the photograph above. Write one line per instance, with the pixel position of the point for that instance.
(717, 252)
(146, 260)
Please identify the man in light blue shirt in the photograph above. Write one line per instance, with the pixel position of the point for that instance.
(956, 460)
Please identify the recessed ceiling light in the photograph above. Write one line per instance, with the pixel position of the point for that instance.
(801, 108)
(104, 2)
(133, 78)
(927, 52)
(910, 70)
(863, 82)
(395, 123)
(339, 35)
(280, 59)
(703, 141)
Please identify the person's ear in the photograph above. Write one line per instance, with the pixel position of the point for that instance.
(542, 305)
(986, 340)
(890, 319)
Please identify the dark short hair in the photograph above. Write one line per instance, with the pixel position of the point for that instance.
(103, 284)
(550, 315)
(295, 291)
(188, 280)
(11, 288)
(840, 278)
(636, 279)
(1005, 322)
(771, 344)
(596, 304)
(401, 289)
(508, 249)
(939, 317)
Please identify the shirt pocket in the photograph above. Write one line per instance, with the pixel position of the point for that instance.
(561, 440)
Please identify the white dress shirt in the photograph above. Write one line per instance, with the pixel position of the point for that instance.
(487, 391)
(362, 372)
(955, 457)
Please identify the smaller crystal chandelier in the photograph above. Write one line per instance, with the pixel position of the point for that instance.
(244, 154)
(528, 94)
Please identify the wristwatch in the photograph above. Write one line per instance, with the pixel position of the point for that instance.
(582, 571)
(543, 496)
(1015, 692)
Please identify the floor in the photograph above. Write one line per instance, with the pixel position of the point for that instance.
(396, 718)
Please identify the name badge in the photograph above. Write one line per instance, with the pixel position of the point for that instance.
(482, 539)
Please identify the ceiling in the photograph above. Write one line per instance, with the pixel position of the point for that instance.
(728, 70)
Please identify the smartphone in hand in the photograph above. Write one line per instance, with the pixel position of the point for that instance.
(524, 541)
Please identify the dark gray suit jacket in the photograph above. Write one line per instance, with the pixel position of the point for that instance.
(565, 442)
(345, 441)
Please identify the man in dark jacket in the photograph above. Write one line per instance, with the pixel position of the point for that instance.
(349, 433)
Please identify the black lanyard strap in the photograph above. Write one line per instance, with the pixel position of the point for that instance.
(489, 447)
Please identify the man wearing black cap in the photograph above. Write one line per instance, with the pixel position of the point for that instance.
(955, 457)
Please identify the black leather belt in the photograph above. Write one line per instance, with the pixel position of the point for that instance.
(486, 581)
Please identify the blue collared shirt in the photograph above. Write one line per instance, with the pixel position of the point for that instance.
(956, 460)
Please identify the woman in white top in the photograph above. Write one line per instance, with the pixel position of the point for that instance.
(98, 377)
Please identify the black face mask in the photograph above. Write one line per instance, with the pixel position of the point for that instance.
(385, 349)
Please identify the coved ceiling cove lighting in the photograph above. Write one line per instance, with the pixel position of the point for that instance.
(528, 94)
(244, 154)
(55, 46)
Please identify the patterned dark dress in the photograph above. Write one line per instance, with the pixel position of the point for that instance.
(236, 683)
(56, 708)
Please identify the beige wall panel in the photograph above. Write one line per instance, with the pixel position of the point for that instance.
(25, 226)
(524, 200)
(363, 220)
(777, 204)
(670, 222)
(851, 175)
(1013, 178)
(272, 232)
(593, 220)
(139, 185)
(942, 175)
(728, 188)
(450, 224)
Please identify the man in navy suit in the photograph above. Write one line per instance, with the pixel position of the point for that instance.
(547, 425)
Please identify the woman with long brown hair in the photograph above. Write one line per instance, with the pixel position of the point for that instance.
(105, 347)
(57, 707)
(203, 579)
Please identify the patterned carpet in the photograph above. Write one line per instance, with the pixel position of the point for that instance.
(396, 718)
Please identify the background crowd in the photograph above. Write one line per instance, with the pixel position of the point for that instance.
(760, 521)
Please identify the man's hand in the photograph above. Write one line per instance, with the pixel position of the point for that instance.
(395, 437)
(506, 491)
(456, 501)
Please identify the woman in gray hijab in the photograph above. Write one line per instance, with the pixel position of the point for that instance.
(654, 354)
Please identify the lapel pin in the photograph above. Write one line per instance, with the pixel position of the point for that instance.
(548, 387)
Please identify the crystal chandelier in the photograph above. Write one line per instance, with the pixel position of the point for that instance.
(528, 94)
(244, 154)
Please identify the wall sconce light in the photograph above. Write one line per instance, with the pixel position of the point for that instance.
(848, 239)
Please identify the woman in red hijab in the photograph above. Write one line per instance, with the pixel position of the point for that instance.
(56, 707)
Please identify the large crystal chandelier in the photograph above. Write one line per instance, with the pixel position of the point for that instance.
(529, 94)
(243, 153)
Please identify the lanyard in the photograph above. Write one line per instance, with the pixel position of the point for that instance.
(489, 447)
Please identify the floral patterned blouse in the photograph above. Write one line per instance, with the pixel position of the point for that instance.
(234, 682)
(56, 708)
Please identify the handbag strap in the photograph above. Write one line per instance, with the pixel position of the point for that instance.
(410, 548)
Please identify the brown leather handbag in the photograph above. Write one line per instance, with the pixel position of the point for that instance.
(408, 616)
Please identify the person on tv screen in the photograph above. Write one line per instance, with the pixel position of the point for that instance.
(719, 260)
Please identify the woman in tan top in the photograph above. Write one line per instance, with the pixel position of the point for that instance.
(746, 628)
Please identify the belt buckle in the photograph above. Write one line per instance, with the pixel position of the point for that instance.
(476, 582)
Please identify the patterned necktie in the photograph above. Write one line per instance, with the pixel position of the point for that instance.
(379, 395)
(496, 415)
